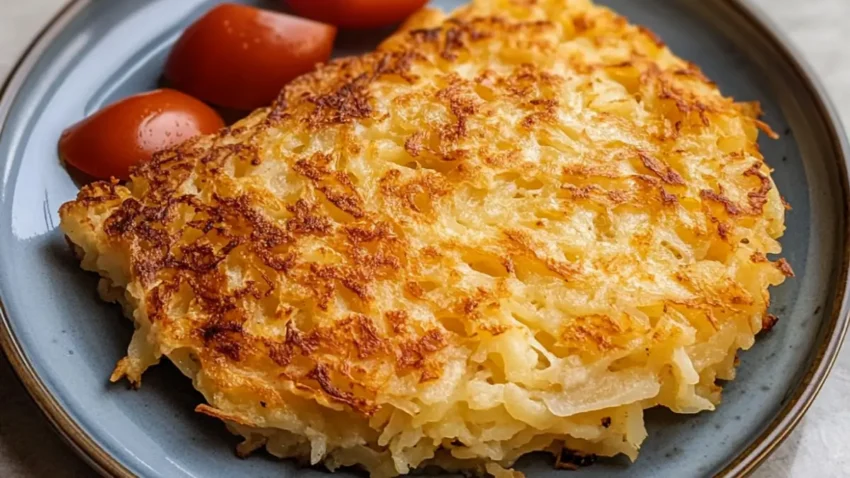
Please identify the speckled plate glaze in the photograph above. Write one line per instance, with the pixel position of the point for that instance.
(63, 341)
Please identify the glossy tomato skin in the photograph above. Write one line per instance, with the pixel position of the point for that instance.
(356, 13)
(112, 140)
(240, 57)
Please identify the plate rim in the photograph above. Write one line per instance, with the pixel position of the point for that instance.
(746, 460)
(69, 430)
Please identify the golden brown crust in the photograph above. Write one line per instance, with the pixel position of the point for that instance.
(535, 172)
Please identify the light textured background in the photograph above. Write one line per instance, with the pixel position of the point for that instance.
(819, 447)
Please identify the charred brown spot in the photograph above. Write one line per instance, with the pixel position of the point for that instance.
(414, 353)
(368, 232)
(306, 221)
(417, 194)
(94, 193)
(366, 337)
(758, 198)
(295, 341)
(413, 145)
(224, 337)
(723, 230)
(469, 304)
(414, 289)
(351, 101)
(617, 196)
(667, 198)
(218, 330)
(663, 171)
(315, 168)
(757, 257)
(785, 268)
(122, 220)
(546, 112)
(321, 375)
(397, 63)
(398, 320)
(356, 280)
(727, 203)
(768, 322)
(426, 34)
(462, 103)
(158, 299)
(345, 201)
(453, 42)
(230, 350)
(336, 186)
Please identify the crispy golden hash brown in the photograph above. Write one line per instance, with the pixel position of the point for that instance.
(508, 230)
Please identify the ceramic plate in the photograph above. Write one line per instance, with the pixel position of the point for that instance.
(64, 342)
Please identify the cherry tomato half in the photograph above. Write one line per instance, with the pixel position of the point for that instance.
(240, 57)
(125, 133)
(356, 13)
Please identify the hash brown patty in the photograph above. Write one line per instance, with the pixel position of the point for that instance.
(510, 229)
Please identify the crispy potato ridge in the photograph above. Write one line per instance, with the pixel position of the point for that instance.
(507, 230)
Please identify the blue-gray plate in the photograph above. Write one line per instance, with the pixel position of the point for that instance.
(63, 341)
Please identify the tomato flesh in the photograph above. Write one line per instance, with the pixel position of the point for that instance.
(356, 13)
(114, 139)
(240, 57)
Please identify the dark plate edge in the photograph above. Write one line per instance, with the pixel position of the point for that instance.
(790, 415)
(744, 463)
(70, 431)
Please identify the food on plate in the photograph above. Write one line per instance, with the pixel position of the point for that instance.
(507, 230)
(356, 13)
(240, 57)
(111, 141)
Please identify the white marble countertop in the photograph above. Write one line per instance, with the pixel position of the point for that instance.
(819, 447)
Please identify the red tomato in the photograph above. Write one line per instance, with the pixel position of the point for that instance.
(125, 133)
(356, 13)
(240, 57)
